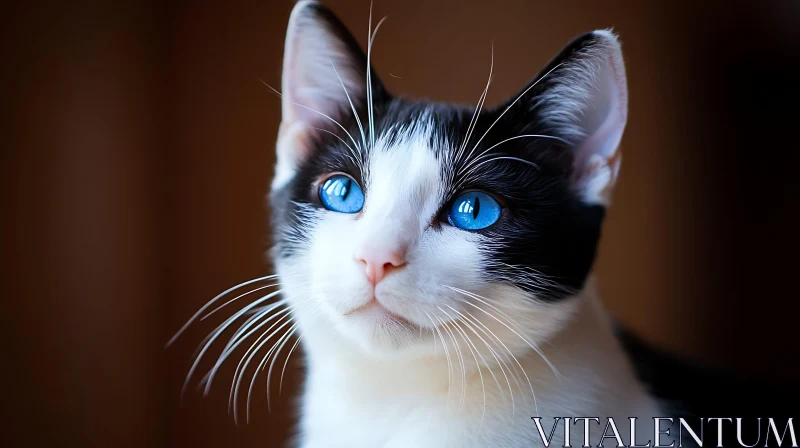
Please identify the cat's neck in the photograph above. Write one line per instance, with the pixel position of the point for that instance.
(407, 402)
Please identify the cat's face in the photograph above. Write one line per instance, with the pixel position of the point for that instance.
(398, 222)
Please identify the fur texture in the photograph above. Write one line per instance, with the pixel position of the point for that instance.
(472, 333)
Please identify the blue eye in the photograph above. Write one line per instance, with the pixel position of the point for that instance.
(341, 194)
(474, 210)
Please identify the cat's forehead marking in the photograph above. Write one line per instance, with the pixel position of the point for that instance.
(403, 174)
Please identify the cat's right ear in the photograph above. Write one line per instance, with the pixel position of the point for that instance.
(324, 77)
(581, 97)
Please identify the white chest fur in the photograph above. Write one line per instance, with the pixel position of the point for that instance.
(352, 400)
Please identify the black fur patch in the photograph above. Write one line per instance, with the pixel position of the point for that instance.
(546, 238)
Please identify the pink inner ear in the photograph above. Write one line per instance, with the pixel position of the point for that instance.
(322, 75)
(605, 120)
(319, 69)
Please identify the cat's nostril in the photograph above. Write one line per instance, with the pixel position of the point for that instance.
(391, 265)
(395, 259)
(379, 263)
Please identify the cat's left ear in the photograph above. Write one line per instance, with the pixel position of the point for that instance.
(324, 80)
(582, 97)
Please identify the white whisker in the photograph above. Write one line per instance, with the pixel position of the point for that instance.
(461, 363)
(217, 333)
(254, 348)
(238, 382)
(472, 350)
(236, 340)
(513, 103)
(450, 369)
(476, 159)
(211, 302)
(533, 394)
(500, 363)
(353, 156)
(274, 90)
(500, 312)
(511, 321)
(478, 107)
(236, 298)
(526, 340)
(280, 343)
(286, 362)
(504, 358)
(370, 101)
(355, 114)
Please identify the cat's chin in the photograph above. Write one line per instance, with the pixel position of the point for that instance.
(379, 331)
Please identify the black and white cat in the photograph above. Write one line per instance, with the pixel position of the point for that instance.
(436, 257)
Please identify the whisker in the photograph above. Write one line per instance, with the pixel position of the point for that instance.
(211, 302)
(253, 311)
(503, 359)
(515, 102)
(474, 120)
(500, 363)
(485, 301)
(471, 346)
(369, 78)
(236, 298)
(467, 166)
(242, 330)
(464, 178)
(450, 369)
(313, 313)
(524, 339)
(285, 363)
(251, 351)
(370, 106)
(353, 157)
(234, 342)
(457, 349)
(262, 312)
(510, 354)
(275, 91)
(493, 159)
(355, 114)
(273, 352)
(272, 364)
(238, 382)
(218, 332)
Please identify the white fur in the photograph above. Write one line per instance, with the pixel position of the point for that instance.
(459, 372)
(354, 398)
(372, 382)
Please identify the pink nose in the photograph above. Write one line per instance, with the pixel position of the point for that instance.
(380, 262)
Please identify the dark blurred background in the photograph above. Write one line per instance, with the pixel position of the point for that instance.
(138, 145)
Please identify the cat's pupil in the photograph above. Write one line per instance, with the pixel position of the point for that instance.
(476, 210)
(345, 189)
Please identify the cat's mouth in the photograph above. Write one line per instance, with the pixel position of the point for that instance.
(374, 308)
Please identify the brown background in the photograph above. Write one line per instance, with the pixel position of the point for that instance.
(138, 147)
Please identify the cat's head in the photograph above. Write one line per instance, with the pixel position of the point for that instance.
(395, 218)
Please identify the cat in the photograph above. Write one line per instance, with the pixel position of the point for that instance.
(436, 258)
